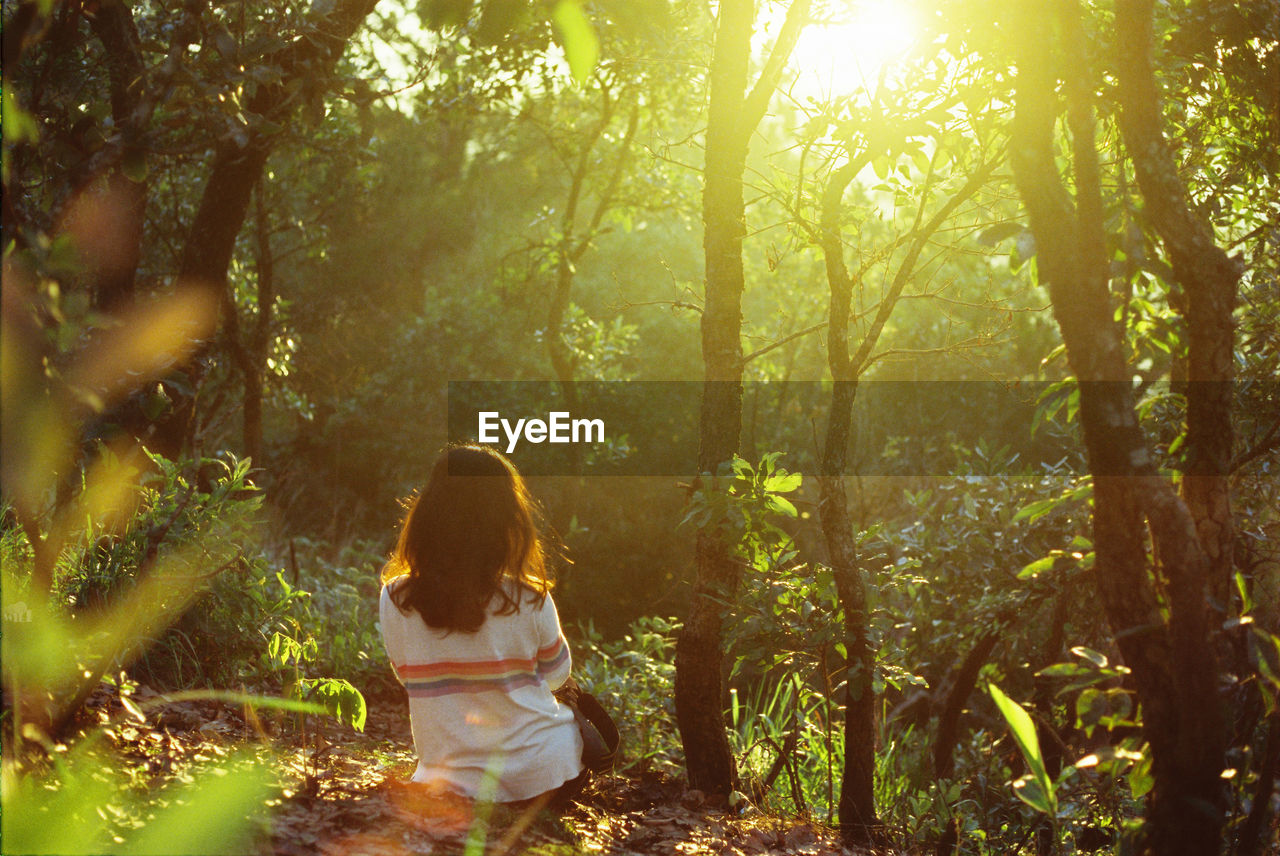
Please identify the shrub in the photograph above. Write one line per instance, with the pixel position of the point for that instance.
(633, 678)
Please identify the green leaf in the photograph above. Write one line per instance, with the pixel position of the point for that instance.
(782, 505)
(340, 699)
(155, 403)
(1091, 705)
(1140, 779)
(1264, 665)
(1064, 670)
(577, 38)
(1098, 659)
(1030, 791)
(1037, 567)
(783, 483)
(1035, 510)
(1024, 734)
(283, 650)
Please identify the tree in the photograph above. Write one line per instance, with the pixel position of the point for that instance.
(881, 132)
(1156, 598)
(232, 95)
(733, 115)
(597, 156)
(238, 160)
(857, 798)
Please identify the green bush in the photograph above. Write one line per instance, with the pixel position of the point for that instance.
(299, 589)
(204, 520)
(206, 504)
(633, 679)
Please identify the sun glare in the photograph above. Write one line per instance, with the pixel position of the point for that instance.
(847, 56)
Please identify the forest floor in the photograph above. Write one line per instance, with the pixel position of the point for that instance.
(345, 792)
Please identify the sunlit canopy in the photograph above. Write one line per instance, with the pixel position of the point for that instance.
(848, 53)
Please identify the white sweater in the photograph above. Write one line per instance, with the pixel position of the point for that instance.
(481, 703)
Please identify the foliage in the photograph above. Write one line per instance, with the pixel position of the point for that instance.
(408, 229)
(746, 505)
(208, 502)
(336, 695)
(787, 744)
(94, 573)
(86, 805)
(632, 677)
(297, 590)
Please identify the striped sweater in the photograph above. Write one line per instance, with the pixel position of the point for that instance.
(480, 703)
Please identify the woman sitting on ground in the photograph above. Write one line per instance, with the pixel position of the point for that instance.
(473, 634)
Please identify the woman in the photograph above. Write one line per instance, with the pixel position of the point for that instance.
(473, 634)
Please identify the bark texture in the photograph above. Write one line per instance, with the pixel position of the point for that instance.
(732, 118)
(1158, 611)
(858, 821)
(1209, 279)
(699, 684)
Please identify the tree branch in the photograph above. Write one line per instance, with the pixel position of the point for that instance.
(757, 101)
(906, 268)
(760, 352)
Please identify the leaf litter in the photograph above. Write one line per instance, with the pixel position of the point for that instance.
(348, 792)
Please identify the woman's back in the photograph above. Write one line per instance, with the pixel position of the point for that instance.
(481, 702)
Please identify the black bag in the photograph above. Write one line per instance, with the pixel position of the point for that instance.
(600, 738)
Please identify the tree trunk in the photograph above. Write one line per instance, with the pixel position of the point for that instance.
(205, 259)
(254, 369)
(572, 246)
(699, 685)
(858, 821)
(859, 824)
(225, 202)
(123, 197)
(1174, 672)
(966, 678)
(1209, 279)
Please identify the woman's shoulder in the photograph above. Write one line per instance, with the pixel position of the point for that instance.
(392, 583)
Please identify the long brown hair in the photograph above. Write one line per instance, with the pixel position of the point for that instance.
(471, 528)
